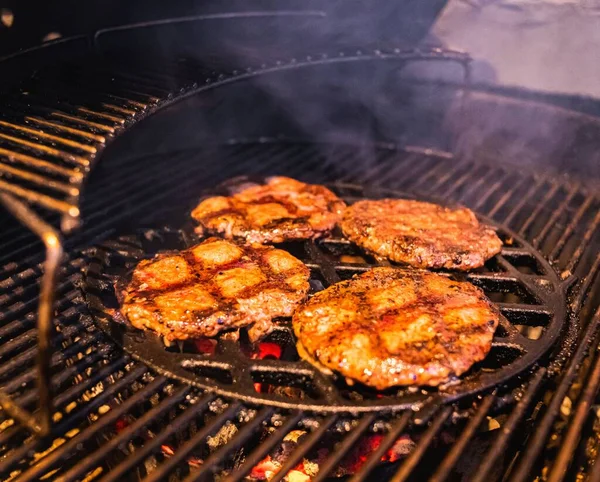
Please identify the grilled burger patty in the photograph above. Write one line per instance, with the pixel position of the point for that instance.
(391, 327)
(281, 210)
(420, 234)
(214, 286)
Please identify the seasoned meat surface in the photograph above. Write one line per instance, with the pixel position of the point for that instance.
(281, 210)
(420, 234)
(214, 286)
(391, 327)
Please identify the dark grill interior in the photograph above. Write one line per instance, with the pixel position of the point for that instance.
(117, 419)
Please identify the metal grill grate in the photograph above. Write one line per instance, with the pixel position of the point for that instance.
(53, 128)
(533, 306)
(103, 398)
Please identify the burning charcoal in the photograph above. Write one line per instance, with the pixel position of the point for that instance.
(289, 444)
(288, 392)
(264, 470)
(366, 446)
(224, 435)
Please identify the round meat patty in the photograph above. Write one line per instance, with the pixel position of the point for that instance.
(214, 286)
(391, 327)
(281, 210)
(421, 234)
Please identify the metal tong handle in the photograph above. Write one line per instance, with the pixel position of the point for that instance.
(39, 423)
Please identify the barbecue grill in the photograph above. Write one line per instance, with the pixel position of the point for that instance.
(102, 159)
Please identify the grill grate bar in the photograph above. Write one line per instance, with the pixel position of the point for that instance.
(570, 228)
(374, 174)
(495, 452)
(585, 240)
(43, 165)
(64, 128)
(78, 389)
(19, 315)
(444, 469)
(90, 461)
(23, 357)
(538, 208)
(240, 438)
(506, 196)
(83, 122)
(389, 440)
(76, 443)
(556, 214)
(569, 443)
(432, 174)
(109, 392)
(543, 426)
(68, 373)
(81, 94)
(162, 472)
(318, 257)
(483, 198)
(523, 200)
(41, 199)
(65, 157)
(264, 448)
(457, 184)
(305, 447)
(41, 181)
(50, 138)
(119, 472)
(415, 456)
(122, 177)
(29, 337)
(595, 473)
(447, 183)
(414, 171)
(474, 188)
(586, 285)
(344, 448)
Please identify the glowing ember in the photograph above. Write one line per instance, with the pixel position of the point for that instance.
(206, 346)
(167, 451)
(121, 425)
(266, 350)
(308, 468)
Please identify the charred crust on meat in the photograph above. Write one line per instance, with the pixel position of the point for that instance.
(281, 210)
(213, 286)
(420, 234)
(390, 326)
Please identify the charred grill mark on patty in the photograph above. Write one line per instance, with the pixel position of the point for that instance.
(281, 210)
(214, 286)
(420, 234)
(391, 327)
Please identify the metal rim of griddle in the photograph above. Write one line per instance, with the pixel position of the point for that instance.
(230, 372)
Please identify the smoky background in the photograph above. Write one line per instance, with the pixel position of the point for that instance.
(328, 84)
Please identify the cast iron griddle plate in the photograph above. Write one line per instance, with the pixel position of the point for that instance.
(518, 280)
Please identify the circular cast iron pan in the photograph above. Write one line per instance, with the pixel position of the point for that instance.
(519, 281)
